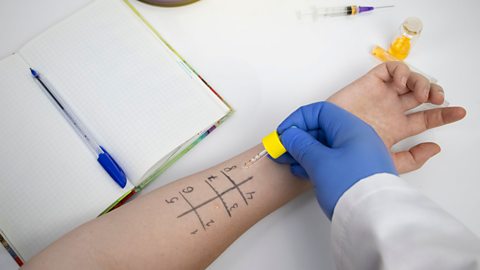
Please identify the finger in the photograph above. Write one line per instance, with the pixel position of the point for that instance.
(396, 72)
(421, 121)
(298, 171)
(419, 86)
(288, 159)
(285, 159)
(437, 95)
(414, 158)
(409, 101)
(302, 146)
(412, 99)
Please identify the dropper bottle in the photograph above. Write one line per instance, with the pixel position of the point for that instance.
(272, 146)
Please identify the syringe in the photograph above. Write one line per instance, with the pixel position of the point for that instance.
(340, 11)
(272, 146)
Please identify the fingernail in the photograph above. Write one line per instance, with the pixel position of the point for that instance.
(403, 81)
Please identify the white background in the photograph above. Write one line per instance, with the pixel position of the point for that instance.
(265, 62)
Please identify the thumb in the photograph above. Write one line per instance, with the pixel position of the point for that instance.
(303, 147)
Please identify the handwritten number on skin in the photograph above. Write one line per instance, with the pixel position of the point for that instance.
(211, 178)
(187, 189)
(172, 200)
(228, 169)
(235, 205)
(208, 224)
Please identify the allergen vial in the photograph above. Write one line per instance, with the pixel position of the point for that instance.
(410, 30)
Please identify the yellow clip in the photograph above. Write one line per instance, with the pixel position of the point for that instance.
(273, 145)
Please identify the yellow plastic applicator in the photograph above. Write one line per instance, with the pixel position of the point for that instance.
(272, 146)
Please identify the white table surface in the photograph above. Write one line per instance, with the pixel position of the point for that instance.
(266, 62)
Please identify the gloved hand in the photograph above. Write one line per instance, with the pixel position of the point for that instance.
(334, 148)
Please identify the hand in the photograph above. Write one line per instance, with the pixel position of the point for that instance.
(334, 148)
(382, 97)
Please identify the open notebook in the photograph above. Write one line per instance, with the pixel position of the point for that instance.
(127, 85)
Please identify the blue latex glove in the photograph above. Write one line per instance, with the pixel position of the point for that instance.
(334, 148)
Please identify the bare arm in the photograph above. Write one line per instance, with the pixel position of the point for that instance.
(161, 231)
(184, 225)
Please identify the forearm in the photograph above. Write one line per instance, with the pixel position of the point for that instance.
(184, 225)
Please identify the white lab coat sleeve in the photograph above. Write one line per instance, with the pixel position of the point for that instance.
(384, 223)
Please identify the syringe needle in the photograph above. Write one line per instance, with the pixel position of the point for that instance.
(385, 7)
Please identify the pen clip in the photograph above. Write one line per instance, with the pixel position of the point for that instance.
(112, 168)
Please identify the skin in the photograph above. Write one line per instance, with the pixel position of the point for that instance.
(157, 231)
(383, 96)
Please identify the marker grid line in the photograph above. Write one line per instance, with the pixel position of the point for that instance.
(194, 209)
(220, 197)
(235, 186)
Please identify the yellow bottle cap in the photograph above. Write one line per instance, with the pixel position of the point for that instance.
(273, 145)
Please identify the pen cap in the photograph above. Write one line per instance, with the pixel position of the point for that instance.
(169, 3)
(273, 145)
(112, 168)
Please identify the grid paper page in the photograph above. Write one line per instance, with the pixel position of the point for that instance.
(50, 182)
(124, 84)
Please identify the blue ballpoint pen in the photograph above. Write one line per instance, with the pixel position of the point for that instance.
(104, 158)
